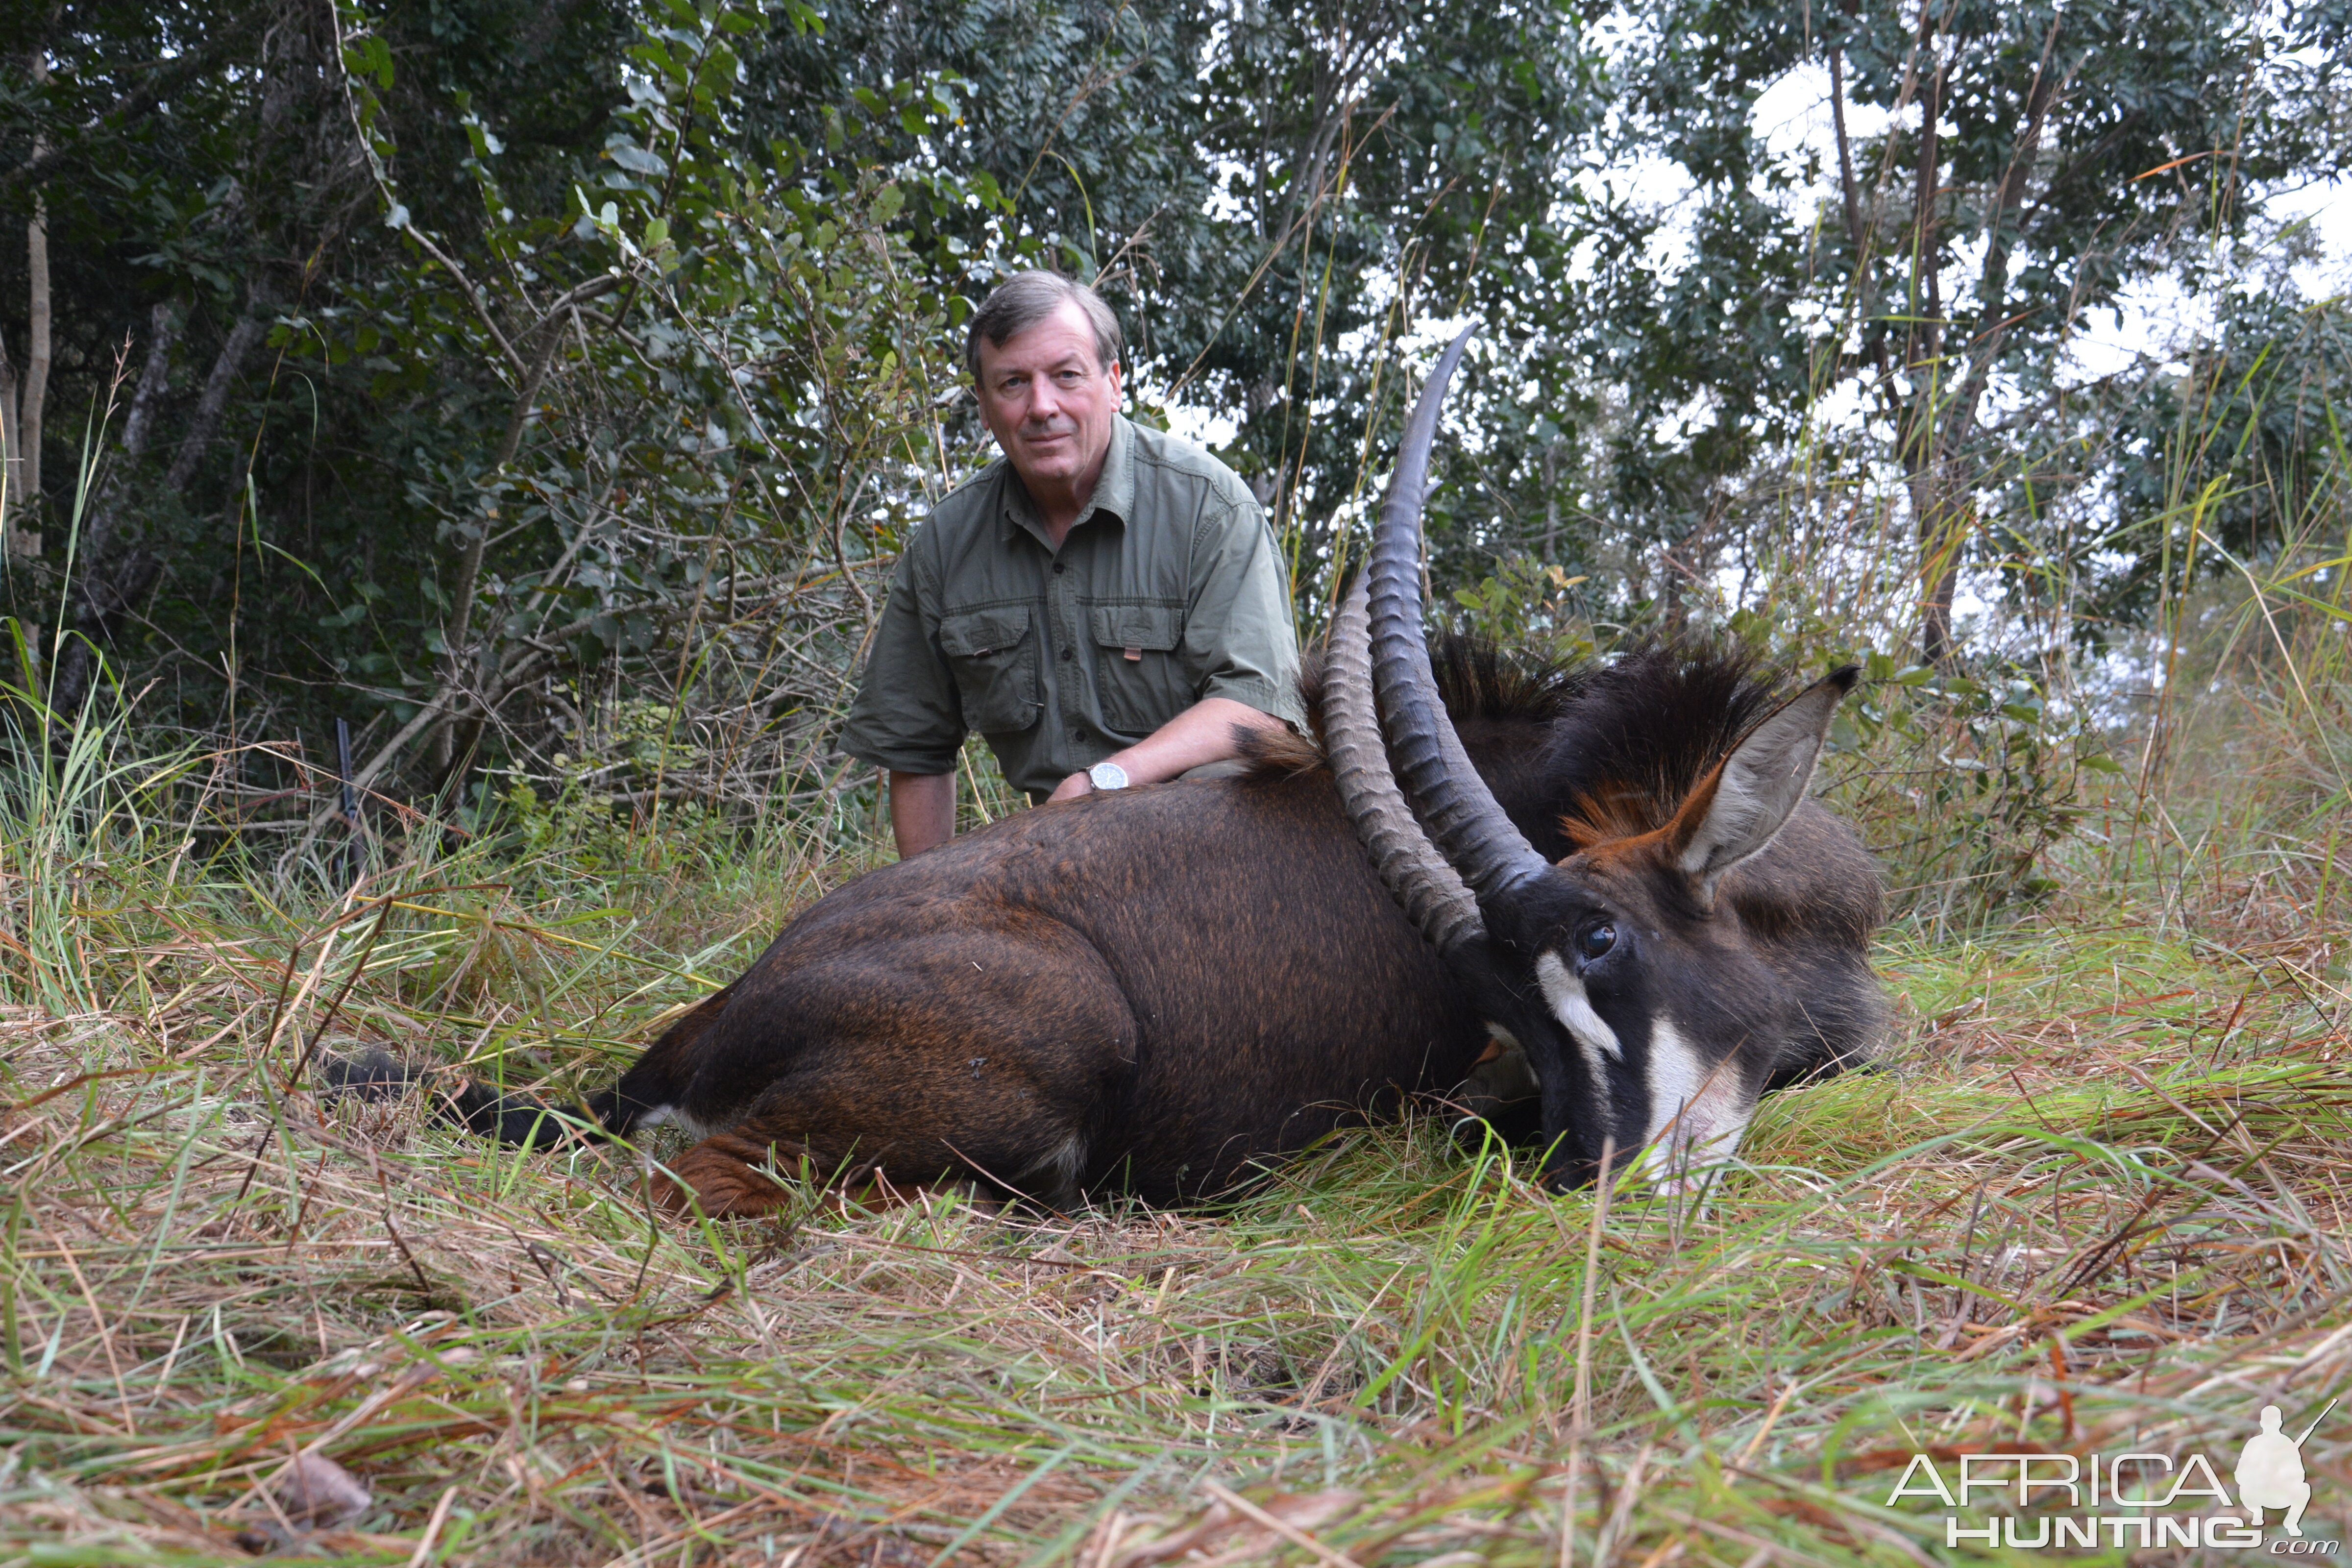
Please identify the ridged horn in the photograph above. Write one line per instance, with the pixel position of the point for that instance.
(1448, 798)
(1434, 895)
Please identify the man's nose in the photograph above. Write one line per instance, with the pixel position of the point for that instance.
(1045, 402)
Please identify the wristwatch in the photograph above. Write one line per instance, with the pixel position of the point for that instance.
(1107, 775)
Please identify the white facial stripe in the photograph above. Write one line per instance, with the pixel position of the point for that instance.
(1565, 993)
(1676, 1075)
(1697, 1112)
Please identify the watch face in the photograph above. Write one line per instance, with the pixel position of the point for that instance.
(1107, 776)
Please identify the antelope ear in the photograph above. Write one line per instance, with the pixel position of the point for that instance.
(1739, 808)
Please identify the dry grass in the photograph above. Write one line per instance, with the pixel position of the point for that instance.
(2095, 1199)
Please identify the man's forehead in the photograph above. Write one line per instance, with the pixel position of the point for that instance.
(1047, 342)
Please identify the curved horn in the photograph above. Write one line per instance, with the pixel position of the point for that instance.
(1431, 893)
(1450, 801)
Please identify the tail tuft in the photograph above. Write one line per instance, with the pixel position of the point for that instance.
(518, 1120)
(376, 1076)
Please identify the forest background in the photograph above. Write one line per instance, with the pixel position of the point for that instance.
(544, 391)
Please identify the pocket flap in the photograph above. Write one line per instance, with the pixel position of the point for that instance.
(1156, 627)
(976, 634)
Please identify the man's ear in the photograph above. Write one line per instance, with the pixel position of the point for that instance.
(1740, 807)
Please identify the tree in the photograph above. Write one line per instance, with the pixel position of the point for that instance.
(735, 336)
(2032, 163)
(1272, 197)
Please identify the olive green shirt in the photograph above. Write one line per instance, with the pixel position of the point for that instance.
(1166, 589)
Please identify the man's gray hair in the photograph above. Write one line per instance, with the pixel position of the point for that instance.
(1026, 299)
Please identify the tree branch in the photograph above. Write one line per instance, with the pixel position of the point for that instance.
(1854, 227)
(133, 105)
(473, 297)
(549, 328)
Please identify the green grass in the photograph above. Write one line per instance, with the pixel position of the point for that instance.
(2093, 1201)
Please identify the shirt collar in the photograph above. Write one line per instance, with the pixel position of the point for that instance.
(1114, 489)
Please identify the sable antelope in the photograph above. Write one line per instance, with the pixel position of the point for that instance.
(1159, 988)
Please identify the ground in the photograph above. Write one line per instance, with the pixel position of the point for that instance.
(2091, 1205)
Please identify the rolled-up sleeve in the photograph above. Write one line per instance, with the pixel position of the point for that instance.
(1239, 642)
(908, 716)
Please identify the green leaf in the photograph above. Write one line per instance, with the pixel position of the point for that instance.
(634, 158)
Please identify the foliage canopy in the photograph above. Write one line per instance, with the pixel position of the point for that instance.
(478, 369)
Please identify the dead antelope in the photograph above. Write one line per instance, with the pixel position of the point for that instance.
(1594, 905)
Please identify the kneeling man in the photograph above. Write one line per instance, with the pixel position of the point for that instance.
(1104, 603)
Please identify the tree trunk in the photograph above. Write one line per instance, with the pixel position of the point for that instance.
(1941, 537)
(1551, 501)
(24, 535)
(1940, 489)
(12, 487)
(115, 584)
(31, 401)
(106, 508)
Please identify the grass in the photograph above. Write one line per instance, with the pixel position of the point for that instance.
(2094, 1202)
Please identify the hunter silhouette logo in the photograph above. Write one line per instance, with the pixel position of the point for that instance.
(2270, 1471)
(2126, 1502)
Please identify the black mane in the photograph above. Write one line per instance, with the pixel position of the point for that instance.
(1478, 678)
(1647, 727)
(1576, 749)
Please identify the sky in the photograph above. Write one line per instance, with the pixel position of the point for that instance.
(1793, 116)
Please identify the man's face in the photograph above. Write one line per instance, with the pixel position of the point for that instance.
(1048, 401)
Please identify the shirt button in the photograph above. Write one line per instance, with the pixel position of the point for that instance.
(1077, 734)
(1059, 567)
(1068, 655)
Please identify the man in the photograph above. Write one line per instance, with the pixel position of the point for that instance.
(1104, 603)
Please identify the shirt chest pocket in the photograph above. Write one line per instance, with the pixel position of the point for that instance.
(995, 665)
(1142, 679)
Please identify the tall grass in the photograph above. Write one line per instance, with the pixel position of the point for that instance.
(2096, 1201)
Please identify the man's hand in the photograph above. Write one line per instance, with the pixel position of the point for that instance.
(1201, 733)
(922, 811)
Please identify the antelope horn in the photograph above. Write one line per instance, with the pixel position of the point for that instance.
(1431, 893)
(1451, 802)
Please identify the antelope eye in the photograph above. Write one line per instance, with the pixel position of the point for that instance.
(1596, 942)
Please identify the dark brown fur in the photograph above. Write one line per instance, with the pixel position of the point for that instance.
(1163, 988)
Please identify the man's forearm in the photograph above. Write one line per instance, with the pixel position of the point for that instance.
(922, 811)
(1201, 733)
